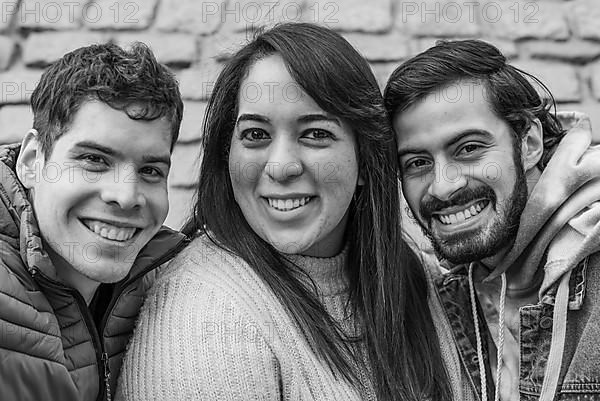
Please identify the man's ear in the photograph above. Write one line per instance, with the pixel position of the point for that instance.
(532, 145)
(30, 160)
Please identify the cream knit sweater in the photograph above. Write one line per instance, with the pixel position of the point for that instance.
(210, 329)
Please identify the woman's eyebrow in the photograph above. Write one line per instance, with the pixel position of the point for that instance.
(308, 118)
(252, 117)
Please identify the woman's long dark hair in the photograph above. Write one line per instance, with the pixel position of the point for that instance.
(388, 287)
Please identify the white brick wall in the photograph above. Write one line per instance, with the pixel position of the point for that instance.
(556, 40)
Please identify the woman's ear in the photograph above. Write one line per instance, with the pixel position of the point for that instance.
(532, 145)
(30, 160)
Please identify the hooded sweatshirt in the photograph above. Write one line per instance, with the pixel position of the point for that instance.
(559, 229)
(552, 272)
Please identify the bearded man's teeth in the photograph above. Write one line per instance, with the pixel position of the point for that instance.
(109, 231)
(463, 215)
(285, 205)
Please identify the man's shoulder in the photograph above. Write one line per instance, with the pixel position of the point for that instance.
(9, 153)
(592, 272)
(25, 311)
(8, 164)
(15, 280)
(163, 247)
(15, 209)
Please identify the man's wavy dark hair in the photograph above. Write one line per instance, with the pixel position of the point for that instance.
(511, 95)
(129, 81)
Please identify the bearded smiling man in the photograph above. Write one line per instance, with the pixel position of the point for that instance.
(511, 203)
(450, 223)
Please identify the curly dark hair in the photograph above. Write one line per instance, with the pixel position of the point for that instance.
(107, 73)
(510, 93)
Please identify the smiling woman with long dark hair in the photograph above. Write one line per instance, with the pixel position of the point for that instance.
(297, 285)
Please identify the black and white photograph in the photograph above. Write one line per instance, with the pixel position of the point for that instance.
(300, 200)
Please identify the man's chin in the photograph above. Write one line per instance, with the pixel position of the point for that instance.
(460, 250)
(110, 275)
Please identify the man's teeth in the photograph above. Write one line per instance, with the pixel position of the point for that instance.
(285, 205)
(463, 215)
(109, 231)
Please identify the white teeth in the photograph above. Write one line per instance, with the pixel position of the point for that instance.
(109, 231)
(463, 215)
(288, 204)
(120, 236)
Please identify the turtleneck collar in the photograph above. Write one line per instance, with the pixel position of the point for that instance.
(329, 274)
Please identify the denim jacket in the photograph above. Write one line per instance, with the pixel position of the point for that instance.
(579, 378)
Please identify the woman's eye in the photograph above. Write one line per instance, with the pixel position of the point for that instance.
(417, 164)
(318, 135)
(254, 134)
(152, 171)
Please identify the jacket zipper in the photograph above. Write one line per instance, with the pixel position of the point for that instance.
(119, 291)
(101, 361)
(106, 376)
(102, 356)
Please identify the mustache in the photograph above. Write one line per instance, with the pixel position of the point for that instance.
(431, 204)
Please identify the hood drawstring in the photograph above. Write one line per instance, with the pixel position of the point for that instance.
(559, 331)
(500, 347)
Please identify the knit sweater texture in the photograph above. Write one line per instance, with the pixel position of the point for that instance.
(211, 329)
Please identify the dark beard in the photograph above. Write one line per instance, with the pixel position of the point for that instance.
(463, 248)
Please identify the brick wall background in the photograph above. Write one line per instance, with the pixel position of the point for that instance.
(556, 40)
